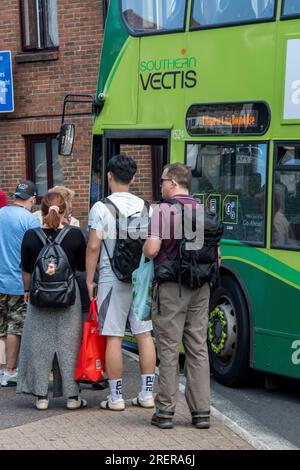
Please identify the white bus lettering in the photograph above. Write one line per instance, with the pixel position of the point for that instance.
(296, 354)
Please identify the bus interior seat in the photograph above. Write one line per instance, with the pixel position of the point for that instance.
(137, 22)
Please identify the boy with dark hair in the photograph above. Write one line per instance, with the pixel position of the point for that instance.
(115, 296)
(123, 168)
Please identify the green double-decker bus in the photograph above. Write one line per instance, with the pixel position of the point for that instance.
(216, 84)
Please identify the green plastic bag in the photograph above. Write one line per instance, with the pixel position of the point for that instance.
(142, 281)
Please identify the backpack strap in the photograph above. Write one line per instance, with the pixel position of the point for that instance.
(106, 201)
(45, 241)
(146, 208)
(58, 240)
(174, 202)
(41, 235)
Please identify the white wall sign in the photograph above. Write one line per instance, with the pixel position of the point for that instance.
(6, 83)
(292, 81)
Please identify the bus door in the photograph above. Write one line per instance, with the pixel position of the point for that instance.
(151, 152)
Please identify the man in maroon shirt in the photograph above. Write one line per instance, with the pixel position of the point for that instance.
(178, 314)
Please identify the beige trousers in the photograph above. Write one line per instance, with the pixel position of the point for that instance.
(185, 319)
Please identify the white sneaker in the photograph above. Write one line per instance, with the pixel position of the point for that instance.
(117, 405)
(42, 404)
(8, 379)
(73, 404)
(147, 402)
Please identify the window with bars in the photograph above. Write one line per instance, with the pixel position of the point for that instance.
(39, 24)
(43, 165)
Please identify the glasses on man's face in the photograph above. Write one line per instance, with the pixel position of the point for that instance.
(164, 179)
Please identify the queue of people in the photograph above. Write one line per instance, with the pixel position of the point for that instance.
(51, 333)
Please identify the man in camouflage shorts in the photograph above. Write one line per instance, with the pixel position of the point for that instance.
(15, 220)
(12, 316)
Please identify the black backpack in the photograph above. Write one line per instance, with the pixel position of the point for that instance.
(130, 238)
(53, 280)
(193, 268)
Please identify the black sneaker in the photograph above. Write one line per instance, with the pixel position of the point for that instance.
(162, 423)
(201, 422)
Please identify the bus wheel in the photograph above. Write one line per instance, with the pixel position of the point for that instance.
(228, 334)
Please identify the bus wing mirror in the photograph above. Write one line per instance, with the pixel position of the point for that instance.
(66, 139)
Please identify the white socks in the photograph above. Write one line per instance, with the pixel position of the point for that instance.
(116, 389)
(147, 385)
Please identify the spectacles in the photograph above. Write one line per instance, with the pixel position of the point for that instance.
(164, 179)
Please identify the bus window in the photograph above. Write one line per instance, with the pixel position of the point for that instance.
(149, 16)
(291, 8)
(96, 171)
(286, 198)
(231, 180)
(214, 12)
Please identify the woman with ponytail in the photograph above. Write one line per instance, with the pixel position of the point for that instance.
(52, 335)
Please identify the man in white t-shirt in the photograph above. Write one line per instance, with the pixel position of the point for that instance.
(114, 297)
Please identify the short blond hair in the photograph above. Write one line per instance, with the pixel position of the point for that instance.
(66, 193)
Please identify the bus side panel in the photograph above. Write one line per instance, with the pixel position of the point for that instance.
(276, 328)
(244, 65)
(114, 39)
(121, 89)
(163, 80)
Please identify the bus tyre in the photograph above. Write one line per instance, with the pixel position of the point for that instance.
(229, 334)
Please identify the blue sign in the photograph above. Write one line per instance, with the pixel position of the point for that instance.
(6, 83)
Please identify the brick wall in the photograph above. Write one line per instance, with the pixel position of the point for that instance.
(142, 186)
(40, 86)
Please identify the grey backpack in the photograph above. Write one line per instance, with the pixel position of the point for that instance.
(53, 280)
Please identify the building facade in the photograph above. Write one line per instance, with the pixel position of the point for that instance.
(55, 47)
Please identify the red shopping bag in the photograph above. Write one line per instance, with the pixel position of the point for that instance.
(91, 360)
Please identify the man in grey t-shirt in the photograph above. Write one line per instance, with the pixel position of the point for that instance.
(114, 297)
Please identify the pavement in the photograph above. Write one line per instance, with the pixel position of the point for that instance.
(22, 427)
